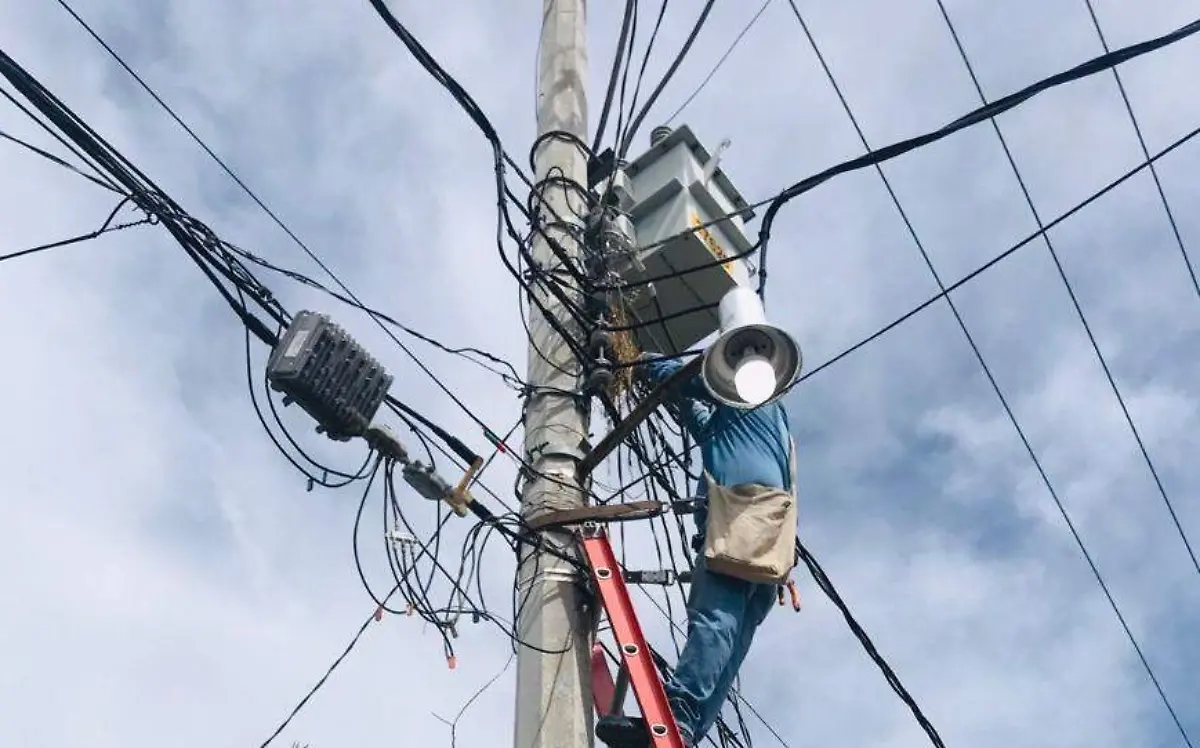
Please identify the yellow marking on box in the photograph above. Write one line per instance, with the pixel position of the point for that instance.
(710, 241)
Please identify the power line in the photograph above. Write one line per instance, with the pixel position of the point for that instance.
(106, 228)
(1137, 128)
(1006, 254)
(317, 686)
(56, 160)
(274, 217)
(732, 46)
(98, 179)
(1108, 374)
(982, 114)
(944, 293)
(636, 122)
(878, 156)
(615, 74)
(1074, 299)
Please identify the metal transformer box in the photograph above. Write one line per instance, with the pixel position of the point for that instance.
(674, 196)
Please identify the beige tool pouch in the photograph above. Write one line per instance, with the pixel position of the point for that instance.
(751, 531)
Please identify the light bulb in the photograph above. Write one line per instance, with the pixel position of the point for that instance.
(754, 379)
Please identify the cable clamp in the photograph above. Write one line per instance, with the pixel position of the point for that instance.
(384, 439)
(664, 577)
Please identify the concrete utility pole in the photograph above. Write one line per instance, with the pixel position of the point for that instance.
(554, 700)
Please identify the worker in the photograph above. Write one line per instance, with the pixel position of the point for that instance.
(748, 454)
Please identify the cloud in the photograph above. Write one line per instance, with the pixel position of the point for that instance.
(168, 576)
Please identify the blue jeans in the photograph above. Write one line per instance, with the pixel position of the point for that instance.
(723, 614)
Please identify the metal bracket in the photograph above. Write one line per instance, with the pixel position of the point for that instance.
(684, 506)
(640, 413)
(664, 577)
(384, 439)
(562, 450)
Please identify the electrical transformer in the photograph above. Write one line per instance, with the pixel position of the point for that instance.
(317, 365)
(677, 189)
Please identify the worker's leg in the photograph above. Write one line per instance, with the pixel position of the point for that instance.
(760, 600)
(717, 607)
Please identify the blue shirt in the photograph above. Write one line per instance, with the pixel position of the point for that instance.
(738, 446)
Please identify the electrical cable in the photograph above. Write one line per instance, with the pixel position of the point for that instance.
(1062, 273)
(622, 40)
(879, 156)
(55, 159)
(1112, 382)
(509, 374)
(736, 41)
(74, 149)
(996, 260)
(823, 581)
(662, 84)
(637, 85)
(107, 227)
(317, 686)
(998, 106)
(1137, 128)
(261, 204)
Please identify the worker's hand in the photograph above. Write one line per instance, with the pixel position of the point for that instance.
(639, 368)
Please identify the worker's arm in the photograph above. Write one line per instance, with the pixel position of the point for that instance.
(659, 369)
(690, 396)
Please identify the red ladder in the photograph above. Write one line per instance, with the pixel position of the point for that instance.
(637, 666)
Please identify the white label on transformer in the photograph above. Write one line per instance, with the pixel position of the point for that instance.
(298, 341)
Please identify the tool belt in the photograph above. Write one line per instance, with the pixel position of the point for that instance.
(751, 529)
(751, 532)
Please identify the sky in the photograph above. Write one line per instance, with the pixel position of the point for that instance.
(168, 577)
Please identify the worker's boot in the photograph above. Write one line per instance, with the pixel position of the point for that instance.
(619, 731)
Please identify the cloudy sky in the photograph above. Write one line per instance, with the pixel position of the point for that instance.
(168, 579)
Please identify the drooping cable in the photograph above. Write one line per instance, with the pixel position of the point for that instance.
(982, 114)
(1112, 383)
(636, 122)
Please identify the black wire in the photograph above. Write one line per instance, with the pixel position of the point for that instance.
(1137, 128)
(637, 86)
(1091, 67)
(211, 255)
(510, 374)
(1112, 382)
(736, 41)
(105, 229)
(50, 156)
(914, 311)
(823, 581)
(622, 40)
(274, 217)
(193, 236)
(73, 148)
(1062, 273)
(312, 691)
(662, 84)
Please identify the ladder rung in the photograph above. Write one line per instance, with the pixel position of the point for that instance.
(636, 659)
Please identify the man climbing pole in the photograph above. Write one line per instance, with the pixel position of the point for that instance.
(745, 514)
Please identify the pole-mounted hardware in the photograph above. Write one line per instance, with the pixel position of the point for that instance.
(423, 478)
(640, 413)
(320, 367)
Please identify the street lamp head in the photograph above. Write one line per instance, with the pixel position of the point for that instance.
(752, 362)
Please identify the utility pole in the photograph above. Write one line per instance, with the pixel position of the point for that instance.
(554, 700)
